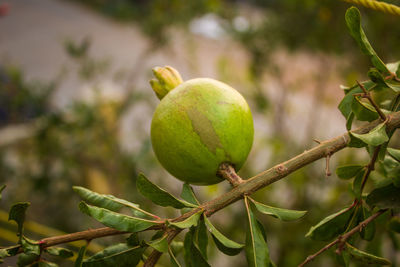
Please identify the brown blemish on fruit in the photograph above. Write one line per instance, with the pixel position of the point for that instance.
(204, 129)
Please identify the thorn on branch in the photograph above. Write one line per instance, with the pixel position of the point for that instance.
(327, 168)
(317, 141)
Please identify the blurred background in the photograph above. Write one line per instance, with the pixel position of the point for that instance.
(76, 106)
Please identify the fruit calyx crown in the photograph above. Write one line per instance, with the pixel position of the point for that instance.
(166, 79)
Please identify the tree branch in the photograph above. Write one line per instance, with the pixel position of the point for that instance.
(341, 240)
(246, 187)
(278, 172)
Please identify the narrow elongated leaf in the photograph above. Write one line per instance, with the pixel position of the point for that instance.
(60, 252)
(115, 220)
(81, 255)
(158, 195)
(193, 256)
(257, 253)
(174, 261)
(353, 21)
(160, 244)
(357, 185)
(17, 214)
(394, 224)
(189, 222)
(120, 255)
(365, 257)
(282, 214)
(223, 243)
(202, 237)
(349, 121)
(188, 194)
(1, 189)
(367, 232)
(384, 197)
(375, 137)
(331, 226)
(348, 171)
(109, 202)
(395, 153)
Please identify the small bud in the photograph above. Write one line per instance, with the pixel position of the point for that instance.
(167, 78)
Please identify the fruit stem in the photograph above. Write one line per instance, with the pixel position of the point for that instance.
(228, 172)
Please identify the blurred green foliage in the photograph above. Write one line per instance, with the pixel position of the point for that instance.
(81, 145)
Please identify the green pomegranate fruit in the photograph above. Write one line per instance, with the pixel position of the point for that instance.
(198, 125)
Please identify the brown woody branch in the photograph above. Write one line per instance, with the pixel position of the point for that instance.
(341, 240)
(276, 173)
(246, 187)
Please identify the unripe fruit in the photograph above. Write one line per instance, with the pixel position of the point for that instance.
(197, 126)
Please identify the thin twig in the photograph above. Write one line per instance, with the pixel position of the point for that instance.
(370, 167)
(247, 187)
(367, 95)
(342, 239)
(228, 172)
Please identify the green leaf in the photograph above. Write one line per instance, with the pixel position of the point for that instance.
(331, 226)
(109, 202)
(193, 256)
(81, 255)
(158, 195)
(365, 257)
(115, 220)
(348, 171)
(160, 244)
(133, 240)
(367, 232)
(120, 255)
(188, 194)
(189, 222)
(394, 224)
(355, 142)
(174, 261)
(26, 259)
(384, 197)
(282, 214)
(395, 153)
(363, 111)
(257, 253)
(357, 185)
(377, 78)
(346, 103)
(30, 246)
(202, 237)
(353, 21)
(1, 189)
(223, 243)
(60, 252)
(176, 247)
(17, 214)
(349, 121)
(4, 253)
(375, 137)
